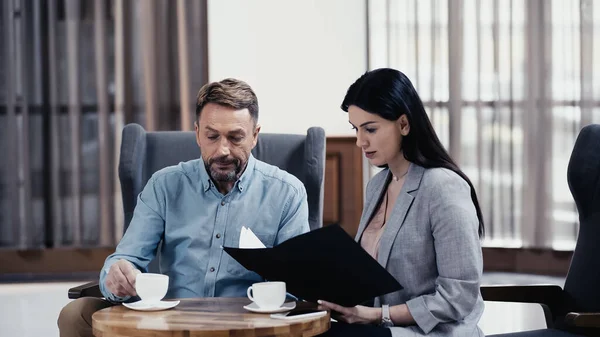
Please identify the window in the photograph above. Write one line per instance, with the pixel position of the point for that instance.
(523, 76)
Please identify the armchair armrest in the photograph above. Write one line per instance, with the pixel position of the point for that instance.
(583, 320)
(548, 294)
(85, 290)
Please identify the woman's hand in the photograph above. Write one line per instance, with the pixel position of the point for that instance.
(358, 314)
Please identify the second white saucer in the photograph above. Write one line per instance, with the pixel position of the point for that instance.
(285, 307)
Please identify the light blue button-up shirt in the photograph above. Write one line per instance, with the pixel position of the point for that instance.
(182, 206)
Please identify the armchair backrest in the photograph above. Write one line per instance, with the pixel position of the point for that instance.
(143, 153)
(582, 286)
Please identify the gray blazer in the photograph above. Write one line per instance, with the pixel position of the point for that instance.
(431, 246)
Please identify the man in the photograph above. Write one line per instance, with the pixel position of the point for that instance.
(199, 206)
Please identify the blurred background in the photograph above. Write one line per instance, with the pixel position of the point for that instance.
(508, 84)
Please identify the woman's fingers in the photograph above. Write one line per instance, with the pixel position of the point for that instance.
(324, 305)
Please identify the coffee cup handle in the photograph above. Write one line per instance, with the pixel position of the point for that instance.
(248, 293)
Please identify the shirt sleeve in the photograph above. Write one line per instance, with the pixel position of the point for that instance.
(295, 216)
(140, 242)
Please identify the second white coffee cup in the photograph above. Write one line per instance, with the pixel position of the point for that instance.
(151, 287)
(267, 295)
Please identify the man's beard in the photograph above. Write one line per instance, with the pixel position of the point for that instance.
(223, 176)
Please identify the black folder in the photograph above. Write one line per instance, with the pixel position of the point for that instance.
(325, 264)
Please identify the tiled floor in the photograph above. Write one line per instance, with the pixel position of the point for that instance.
(31, 309)
(28, 310)
(500, 317)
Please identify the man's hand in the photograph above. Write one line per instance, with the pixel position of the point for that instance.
(120, 280)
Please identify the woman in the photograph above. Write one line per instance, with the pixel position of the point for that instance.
(421, 219)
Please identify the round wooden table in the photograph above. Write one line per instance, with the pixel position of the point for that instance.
(202, 317)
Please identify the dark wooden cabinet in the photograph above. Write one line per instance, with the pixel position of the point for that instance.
(343, 184)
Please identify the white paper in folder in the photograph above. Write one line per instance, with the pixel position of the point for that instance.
(249, 240)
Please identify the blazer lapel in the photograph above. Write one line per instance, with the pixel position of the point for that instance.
(401, 208)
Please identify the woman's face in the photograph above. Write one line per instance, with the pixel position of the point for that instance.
(379, 138)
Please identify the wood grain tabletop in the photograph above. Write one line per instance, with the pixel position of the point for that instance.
(202, 317)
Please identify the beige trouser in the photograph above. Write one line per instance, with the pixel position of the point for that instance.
(75, 319)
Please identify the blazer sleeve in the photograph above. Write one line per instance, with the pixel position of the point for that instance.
(454, 226)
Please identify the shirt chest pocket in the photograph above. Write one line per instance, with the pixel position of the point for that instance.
(234, 267)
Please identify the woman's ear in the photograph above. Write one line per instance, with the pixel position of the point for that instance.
(403, 125)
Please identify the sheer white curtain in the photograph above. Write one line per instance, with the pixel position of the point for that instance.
(507, 84)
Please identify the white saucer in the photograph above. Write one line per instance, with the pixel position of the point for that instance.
(285, 307)
(155, 306)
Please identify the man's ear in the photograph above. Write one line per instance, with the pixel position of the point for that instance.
(255, 135)
(197, 132)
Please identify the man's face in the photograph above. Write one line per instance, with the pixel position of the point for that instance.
(225, 137)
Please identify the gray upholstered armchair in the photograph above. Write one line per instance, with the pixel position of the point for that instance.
(575, 309)
(143, 153)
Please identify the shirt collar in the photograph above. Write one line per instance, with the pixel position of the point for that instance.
(245, 178)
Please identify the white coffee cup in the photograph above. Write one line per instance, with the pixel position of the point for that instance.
(267, 295)
(151, 287)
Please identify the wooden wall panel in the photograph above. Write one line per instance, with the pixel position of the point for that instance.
(47, 262)
(57, 260)
(526, 260)
(331, 211)
(343, 184)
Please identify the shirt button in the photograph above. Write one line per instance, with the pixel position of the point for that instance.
(218, 236)
(222, 203)
(212, 269)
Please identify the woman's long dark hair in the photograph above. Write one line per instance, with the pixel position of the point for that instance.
(390, 94)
